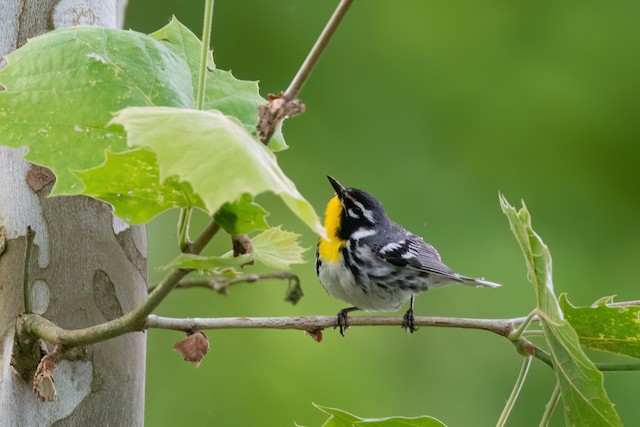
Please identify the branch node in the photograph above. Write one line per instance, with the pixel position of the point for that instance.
(271, 114)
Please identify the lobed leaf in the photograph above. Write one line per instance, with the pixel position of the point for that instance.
(277, 248)
(340, 418)
(581, 384)
(61, 88)
(612, 329)
(59, 92)
(241, 216)
(220, 159)
(131, 183)
(236, 98)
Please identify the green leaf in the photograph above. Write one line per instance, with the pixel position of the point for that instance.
(612, 329)
(242, 216)
(585, 399)
(340, 418)
(216, 155)
(130, 182)
(180, 40)
(277, 248)
(202, 262)
(62, 87)
(233, 97)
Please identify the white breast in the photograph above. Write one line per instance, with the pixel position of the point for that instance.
(338, 281)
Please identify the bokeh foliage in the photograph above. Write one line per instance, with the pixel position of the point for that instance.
(432, 107)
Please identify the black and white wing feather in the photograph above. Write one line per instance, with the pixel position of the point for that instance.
(411, 251)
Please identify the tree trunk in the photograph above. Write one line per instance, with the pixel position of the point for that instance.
(86, 267)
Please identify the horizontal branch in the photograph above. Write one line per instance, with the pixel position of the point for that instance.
(37, 325)
(313, 323)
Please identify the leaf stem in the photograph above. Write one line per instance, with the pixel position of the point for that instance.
(316, 51)
(205, 237)
(618, 367)
(522, 375)
(26, 288)
(517, 333)
(550, 406)
(206, 41)
(183, 228)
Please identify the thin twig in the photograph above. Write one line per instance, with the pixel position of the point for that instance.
(522, 375)
(205, 237)
(286, 104)
(220, 285)
(312, 58)
(517, 333)
(618, 367)
(550, 406)
(204, 53)
(26, 288)
(184, 221)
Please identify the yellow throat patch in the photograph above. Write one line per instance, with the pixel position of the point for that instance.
(329, 250)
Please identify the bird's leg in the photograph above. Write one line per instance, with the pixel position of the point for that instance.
(407, 320)
(341, 319)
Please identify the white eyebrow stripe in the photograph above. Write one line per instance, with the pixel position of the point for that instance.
(362, 233)
(366, 212)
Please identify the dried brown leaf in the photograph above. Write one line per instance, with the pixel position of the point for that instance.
(43, 384)
(193, 347)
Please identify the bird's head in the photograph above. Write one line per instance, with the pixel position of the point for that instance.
(352, 211)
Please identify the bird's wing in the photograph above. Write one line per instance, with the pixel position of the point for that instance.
(413, 252)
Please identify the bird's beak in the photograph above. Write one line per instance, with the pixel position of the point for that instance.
(336, 186)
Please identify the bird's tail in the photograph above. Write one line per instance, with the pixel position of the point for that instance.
(470, 281)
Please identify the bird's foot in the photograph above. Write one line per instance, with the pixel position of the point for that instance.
(407, 321)
(342, 320)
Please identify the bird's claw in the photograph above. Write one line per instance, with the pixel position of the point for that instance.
(407, 321)
(342, 321)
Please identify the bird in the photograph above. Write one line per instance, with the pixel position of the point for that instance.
(373, 263)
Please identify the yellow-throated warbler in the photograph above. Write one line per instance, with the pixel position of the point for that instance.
(373, 263)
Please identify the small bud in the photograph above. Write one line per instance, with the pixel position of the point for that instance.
(241, 244)
(193, 347)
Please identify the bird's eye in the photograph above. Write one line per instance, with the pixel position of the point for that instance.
(354, 212)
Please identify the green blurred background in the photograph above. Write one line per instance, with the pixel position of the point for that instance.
(433, 107)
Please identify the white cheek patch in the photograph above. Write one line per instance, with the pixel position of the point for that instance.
(362, 233)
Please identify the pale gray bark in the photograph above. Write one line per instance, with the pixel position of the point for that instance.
(87, 266)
